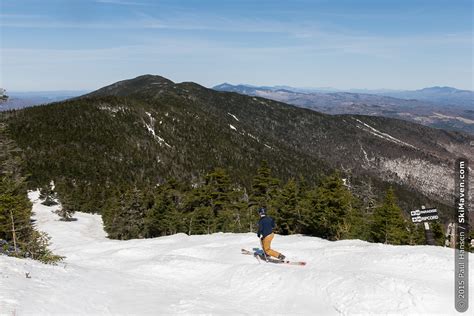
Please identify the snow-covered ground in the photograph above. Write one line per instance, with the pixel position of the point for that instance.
(206, 274)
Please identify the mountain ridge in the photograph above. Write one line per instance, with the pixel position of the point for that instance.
(148, 129)
(351, 90)
(439, 115)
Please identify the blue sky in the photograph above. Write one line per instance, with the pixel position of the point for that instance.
(86, 44)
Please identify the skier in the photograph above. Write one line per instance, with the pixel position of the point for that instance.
(266, 224)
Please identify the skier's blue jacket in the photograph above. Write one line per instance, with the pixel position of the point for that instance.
(265, 226)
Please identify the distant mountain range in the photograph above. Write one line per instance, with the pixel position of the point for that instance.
(440, 107)
(438, 95)
(149, 129)
(19, 100)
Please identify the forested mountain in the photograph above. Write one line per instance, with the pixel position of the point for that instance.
(126, 145)
(445, 108)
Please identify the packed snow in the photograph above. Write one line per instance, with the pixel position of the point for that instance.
(235, 117)
(447, 117)
(206, 274)
(256, 138)
(112, 110)
(366, 157)
(382, 135)
(151, 129)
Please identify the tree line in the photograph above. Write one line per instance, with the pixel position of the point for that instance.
(328, 210)
(18, 236)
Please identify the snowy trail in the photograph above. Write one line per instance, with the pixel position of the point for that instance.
(206, 274)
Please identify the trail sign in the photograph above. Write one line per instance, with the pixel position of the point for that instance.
(424, 215)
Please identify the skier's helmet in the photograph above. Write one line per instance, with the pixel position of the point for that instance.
(262, 211)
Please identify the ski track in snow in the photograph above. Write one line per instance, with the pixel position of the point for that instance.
(206, 274)
(235, 117)
(382, 135)
(151, 129)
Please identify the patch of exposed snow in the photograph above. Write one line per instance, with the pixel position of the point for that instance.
(151, 129)
(431, 179)
(112, 110)
(366, 157)
(382, 135)
(447, 117)
(256, 138)
(232, 127)
(235, 117)
(162, 141)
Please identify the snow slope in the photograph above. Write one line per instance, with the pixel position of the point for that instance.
(206, 274)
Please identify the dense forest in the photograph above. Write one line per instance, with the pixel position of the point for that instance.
(328, 210)
(18, 236)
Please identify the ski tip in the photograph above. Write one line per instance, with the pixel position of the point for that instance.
(296, 263)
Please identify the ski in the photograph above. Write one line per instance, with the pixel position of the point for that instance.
(246, 252)
(271, 260)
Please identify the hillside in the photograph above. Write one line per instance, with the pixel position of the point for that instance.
(445, 108)
(148, 129)
(208, 275)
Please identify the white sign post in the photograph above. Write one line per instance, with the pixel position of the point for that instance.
(425, 215)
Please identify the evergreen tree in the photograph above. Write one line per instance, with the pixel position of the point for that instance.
(389, 226)
(287, 215)
(124, 216)
(16, 228)
(438, 234)
(416, 234)
(264, 186)
(48, 194)
(203, 221)
(239, 207)
(15, 213)
(326, 209)
(37, 248)
(223, 200)
(220, 189)
(15, 208)
(264, 190)
(355, 223)
(196, 201)
(70, 203)
(164, 217)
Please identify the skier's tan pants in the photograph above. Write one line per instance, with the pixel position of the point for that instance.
(266, 244)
